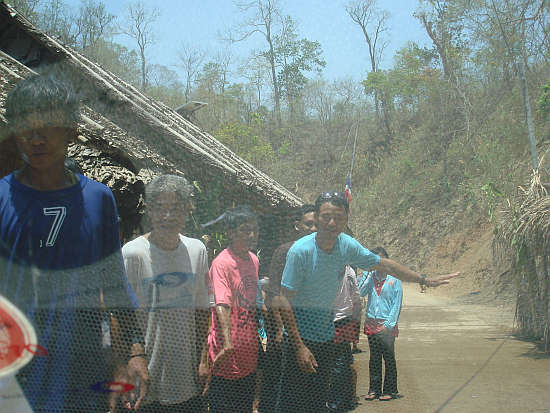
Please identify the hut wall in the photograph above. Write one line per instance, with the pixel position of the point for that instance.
(533, 282)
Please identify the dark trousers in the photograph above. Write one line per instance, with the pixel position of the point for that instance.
(341, 395)
(195, 404)
(302, 392)
(382, 345)
(271, 379)
(232, 396)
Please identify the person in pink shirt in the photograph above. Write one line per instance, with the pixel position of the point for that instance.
(233, 341)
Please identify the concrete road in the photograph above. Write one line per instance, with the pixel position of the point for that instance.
(455, 357)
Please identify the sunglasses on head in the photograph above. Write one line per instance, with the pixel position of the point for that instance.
(333, 195)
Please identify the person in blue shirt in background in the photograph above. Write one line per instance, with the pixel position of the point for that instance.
(385, 295)
(308, 289)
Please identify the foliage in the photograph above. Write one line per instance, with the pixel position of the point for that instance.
(246, 140)
(118, 59)
(294, 57)
(543, 104)
(492, 193)
(444, 125)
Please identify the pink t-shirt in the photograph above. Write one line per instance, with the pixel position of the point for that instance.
(234, 282)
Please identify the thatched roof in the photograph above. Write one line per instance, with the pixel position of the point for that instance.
(526, 221)
(128, 135)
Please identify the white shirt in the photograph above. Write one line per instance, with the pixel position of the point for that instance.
(170, 286)
(347, 296)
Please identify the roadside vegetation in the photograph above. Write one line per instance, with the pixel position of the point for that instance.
(442, 136)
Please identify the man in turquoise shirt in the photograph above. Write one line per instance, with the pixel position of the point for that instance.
(309, 285)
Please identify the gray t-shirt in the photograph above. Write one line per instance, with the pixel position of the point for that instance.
(170, 286)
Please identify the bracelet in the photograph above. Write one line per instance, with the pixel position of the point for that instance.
(423, 280)
(138, 355)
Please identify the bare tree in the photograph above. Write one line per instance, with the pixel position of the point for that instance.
(56, 20)
(27, 8)
(190, 60)
(266, 15)
(254, 70)
(223, 59)
(513, 20)
(438, 23)
(138, 24)
(373, 23)
(92, 23)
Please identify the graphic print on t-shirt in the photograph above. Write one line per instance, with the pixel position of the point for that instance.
(59, 213)
(246, 306)
(169, 290)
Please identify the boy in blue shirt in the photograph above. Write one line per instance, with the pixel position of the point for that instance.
(385, 295)
(60, 256)
(308, 288)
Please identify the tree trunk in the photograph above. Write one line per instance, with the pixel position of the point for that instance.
(143, 75)
(528, 114)
(274, 78)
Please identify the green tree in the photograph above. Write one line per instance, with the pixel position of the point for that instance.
(247, 141)
(543, 104)
(295, 57)
(118, 59)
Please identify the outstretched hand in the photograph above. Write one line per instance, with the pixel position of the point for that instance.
(441, 280)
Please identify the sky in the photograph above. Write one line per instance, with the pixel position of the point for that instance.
(344, 48)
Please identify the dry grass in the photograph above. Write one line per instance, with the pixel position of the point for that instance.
(523, 238)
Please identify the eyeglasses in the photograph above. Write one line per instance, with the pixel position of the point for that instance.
(43, 133)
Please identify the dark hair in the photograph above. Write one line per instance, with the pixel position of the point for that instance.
(42, 93)
(304, 209)
(238, 216)
(73, 166)
(381, 252)
(334, 197)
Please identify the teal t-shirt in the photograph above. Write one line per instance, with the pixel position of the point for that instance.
(315, 276)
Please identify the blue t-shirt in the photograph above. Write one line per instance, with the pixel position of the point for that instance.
(386, 305)
(58, 249)
(315, 276)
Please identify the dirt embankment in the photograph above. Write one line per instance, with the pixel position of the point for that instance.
(442, 242)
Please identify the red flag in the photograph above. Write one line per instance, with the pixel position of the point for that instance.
(348, 188)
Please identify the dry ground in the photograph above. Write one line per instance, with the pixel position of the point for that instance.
(456, 356)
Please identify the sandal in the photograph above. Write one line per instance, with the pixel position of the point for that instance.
(387, 396)
(371, 396)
